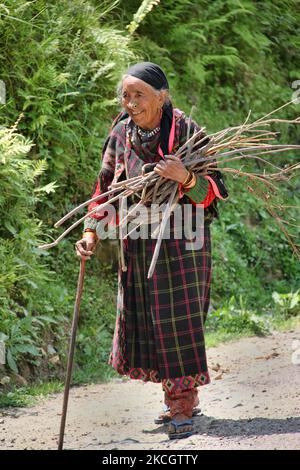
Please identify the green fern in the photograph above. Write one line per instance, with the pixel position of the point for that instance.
(139, 16)
(48, 188)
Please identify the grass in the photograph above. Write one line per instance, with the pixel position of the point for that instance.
(214, 339)
(29, 395)
(286, 325)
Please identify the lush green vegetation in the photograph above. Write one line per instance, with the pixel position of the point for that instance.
(60, 63)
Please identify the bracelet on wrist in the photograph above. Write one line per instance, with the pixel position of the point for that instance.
(187, 178)
(191, 183)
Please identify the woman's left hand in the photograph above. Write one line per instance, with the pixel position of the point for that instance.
(172, 168)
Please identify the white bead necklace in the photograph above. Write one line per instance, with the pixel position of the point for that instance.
(147, 134)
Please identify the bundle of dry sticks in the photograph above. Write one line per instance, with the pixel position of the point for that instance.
(248, 141)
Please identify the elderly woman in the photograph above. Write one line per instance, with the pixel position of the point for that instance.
(159, 334)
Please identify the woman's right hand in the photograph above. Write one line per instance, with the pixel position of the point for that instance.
(86, 246)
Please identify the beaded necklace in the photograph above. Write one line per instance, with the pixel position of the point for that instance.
(147, 134)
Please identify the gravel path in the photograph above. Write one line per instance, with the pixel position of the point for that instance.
(253, 402)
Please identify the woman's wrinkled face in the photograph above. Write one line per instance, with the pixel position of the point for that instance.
(142, 102)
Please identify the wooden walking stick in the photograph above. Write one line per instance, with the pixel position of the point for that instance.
(71, 353)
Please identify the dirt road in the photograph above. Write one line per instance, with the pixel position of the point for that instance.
(253, 402)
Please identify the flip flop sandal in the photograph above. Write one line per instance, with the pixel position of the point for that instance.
(164, 417)
(174, 429)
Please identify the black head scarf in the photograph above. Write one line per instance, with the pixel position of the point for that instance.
(149, 73)
(154, 76)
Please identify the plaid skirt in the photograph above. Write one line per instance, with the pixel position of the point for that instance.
(159, 333)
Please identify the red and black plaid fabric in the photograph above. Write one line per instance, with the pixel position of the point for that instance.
(159, 333)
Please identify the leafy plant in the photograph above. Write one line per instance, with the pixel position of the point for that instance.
(287, 304)
(234, 318)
